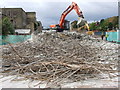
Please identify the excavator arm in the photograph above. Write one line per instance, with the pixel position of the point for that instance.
(73, 6)
(67, 11)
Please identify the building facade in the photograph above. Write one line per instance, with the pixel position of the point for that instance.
(19, 18)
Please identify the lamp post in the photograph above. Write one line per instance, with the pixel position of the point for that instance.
(119, 13)
(118, 36)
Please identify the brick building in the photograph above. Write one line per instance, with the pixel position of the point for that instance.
(19, 18)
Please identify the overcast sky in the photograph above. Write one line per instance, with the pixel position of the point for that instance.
(49, 11)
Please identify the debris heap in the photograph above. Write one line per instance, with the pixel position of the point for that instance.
(56, 57)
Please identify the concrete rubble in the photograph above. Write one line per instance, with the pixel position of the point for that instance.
(58, 57)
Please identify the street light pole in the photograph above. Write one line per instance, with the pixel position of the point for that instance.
(119, 13)
(118, 31)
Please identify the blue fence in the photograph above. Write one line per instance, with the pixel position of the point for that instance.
(113, 36)
(13, 39)
(99, 33)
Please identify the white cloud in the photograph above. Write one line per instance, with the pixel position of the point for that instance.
(49, 11)
(73, 1)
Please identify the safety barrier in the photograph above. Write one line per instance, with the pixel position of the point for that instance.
(113, 36)
(10, 39)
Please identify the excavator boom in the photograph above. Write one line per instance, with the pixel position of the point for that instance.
(68, 10)
(73, 6)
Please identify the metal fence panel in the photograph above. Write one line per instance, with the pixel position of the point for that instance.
(13, 39)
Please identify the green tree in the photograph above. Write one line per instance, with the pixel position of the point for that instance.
(104, 25)
(93, 26)
(115, 22)
(101, 21)
(7, 27)
(110, 26)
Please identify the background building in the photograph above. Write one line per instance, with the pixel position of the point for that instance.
(19, 18)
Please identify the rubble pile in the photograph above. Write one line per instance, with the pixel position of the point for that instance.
(55, 57)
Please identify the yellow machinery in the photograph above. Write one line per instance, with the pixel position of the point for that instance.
(86, 26)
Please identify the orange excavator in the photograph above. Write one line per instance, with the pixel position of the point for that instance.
(60, 27)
